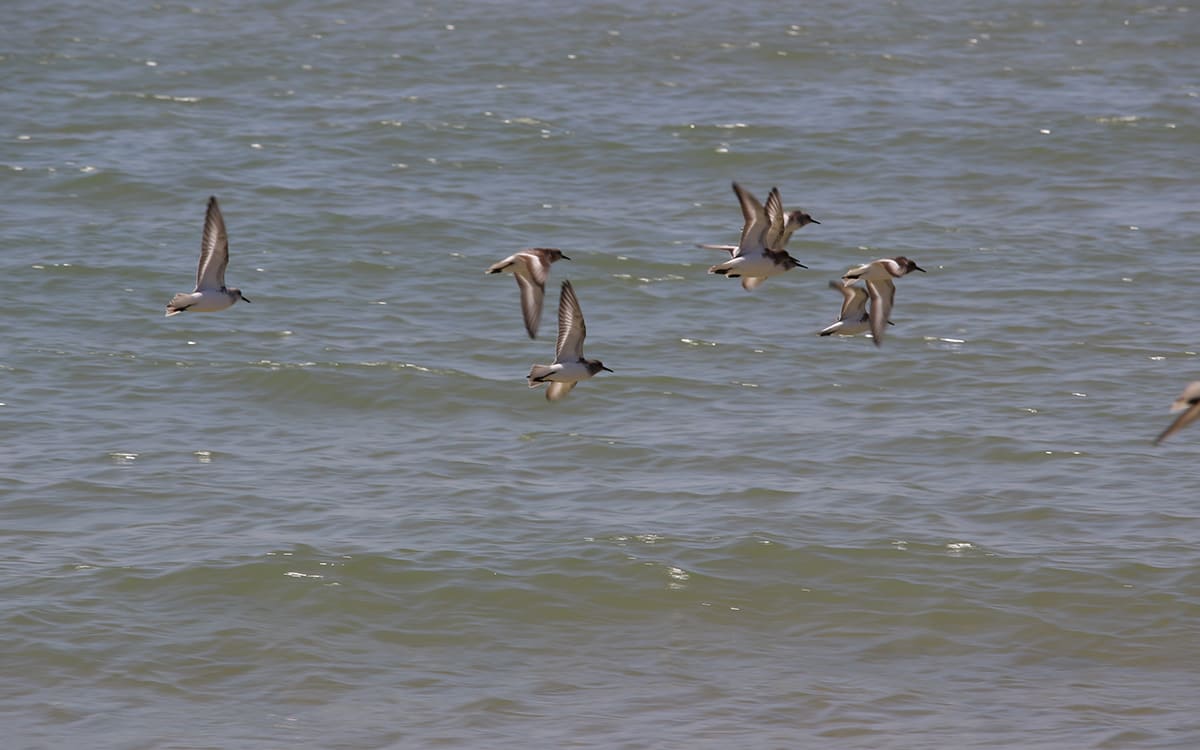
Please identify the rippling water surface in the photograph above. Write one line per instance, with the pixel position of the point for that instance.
(337, 518)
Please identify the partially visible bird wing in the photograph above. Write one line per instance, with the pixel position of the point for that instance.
(1183, 420)
(559, 389)
(502, 265)
(776, 219)
(731, 249)
(538, 263)
(1189, 403)
(794, 221)
(883, 295)
(750, 283)
(855, 272)
(854, 299)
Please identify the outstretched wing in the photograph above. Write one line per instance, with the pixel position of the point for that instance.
(571, 329)
(214, 249)
(755, 224)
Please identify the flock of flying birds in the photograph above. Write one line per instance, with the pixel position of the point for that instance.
(760, 253)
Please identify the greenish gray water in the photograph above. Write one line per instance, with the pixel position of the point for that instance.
(337, 518)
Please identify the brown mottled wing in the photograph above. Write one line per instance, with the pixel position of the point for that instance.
(214, 249)
(571, 329)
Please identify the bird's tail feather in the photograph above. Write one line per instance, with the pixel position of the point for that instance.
(537, 373)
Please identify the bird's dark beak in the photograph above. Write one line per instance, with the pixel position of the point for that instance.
(918, 268)
(801, 265)
(245, 300)
(814, 221)
(602, 367)
(564, 257)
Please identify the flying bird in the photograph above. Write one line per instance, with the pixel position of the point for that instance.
(754, 260)
(210, 294)
(880, 276)
(569, 366)
(854, 318)
(530, 268)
